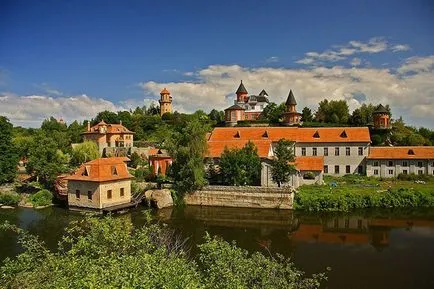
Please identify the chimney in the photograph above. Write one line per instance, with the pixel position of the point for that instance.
(120, 122)
(88, 126)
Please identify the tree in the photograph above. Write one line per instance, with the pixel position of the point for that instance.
(240, 167)
(110, 253)
(74, 131)
(51, 124)
(9, 156)
(46, 161)
(335, 111)
(216, 116)
(363, 115)
(84, 152)
(187, 148)
(107, 116)
(306, 114)
(273, 113)
(281, 169)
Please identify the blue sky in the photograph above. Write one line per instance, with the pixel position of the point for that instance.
(72, 58)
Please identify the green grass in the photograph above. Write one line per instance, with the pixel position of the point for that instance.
(9, 199)
(359, 192)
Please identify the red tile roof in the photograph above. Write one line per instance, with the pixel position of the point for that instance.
(111, 129)
(165, 91)
(102, 170)
(309, 163)
(413, 152)
(216, 148)
(303, 135)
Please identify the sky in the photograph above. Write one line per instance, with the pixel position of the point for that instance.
(72, 59)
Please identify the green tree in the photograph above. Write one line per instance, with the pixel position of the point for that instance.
(187, 148)
(84, 152)
(216, 116)
(363, 115)
(335, 111)
(306, 114)
(51, 124)
(240, 167)
(9, 156)
(22, 145)
(107, 116)
(75, 130)
(273, 112)
(281, 167)
(46, 161)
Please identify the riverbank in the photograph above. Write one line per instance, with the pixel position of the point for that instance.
(358, 192)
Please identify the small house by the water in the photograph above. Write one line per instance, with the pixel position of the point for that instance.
(100, 184)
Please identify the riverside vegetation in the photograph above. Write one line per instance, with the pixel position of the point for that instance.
(357, 192)
(111, 253)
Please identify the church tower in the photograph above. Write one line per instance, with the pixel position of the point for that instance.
(242, 94)
(291, 116)
(381, 117)
(165, 102)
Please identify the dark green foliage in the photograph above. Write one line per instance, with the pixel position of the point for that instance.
(240, 167)
(9, 156)
(273, 112)
(10, 199)
(335, 111)
(74, 131)
(106, 116)
(306, 114)
(362, 116)
(41, 198)
(110, 253)
(413, 177)
(376, 139)
(216, 116)
(317, 198)
(281, 169)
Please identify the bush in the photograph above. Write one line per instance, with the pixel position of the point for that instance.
(41, 198)
(9, 199)
(413, 177)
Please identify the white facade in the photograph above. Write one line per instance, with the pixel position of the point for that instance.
(384, 168)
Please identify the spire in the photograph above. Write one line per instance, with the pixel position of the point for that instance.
(241, 88)
(291, 99)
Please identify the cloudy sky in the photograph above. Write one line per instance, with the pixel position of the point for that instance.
(72, 59)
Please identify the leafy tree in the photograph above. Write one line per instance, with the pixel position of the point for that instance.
(281, 169)
(273, 112)
(84, 152)
(51, 124)
(75, 130)
(240, 166)
(22, 145)
(9, 156)
(110, 253)
(335, 111)
(363, 115)
(107, 116)
(376, 139)
(306, 114)
(46, 161)
(216, 116)
(188, 147)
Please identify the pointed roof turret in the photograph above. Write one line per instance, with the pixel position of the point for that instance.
(381, 109)
(291, 99)
(263, 93)
(241, 88)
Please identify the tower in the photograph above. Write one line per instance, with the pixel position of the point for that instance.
(381, 117)
(291, 116)
(165, 102)
(242, 94)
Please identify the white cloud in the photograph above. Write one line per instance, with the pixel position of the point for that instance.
(272, 59)
(31, 110)
(417, 64)
(342, 52)
(356, 61)
(411, 96)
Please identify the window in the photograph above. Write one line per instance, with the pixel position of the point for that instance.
(376, 172)
(336, 151)
(303, 151)
(405, 164)
(326, 169)
(360, 151)
(390, 163)
(109, 194)
(326, 151)
(89, 195)
(114, 171)
(360, 170)
(390, 172)
(314, 151)
(336, 169)
(348, 169)
(77, 194)
(347, 151)
(375, 164)
(420, 172)
(419, 164)
(122, 192)
(405, 172)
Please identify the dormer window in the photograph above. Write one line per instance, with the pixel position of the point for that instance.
(316, 134)
(265, 134)
(237, 135)
(411, 152)
(114, 171)
(344, 134)
(86, 171)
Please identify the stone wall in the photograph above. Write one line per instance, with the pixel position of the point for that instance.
(243, 197)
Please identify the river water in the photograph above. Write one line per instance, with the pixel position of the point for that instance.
(366, 249)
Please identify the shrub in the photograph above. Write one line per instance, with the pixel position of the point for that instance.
(41, 198)
(9, 199)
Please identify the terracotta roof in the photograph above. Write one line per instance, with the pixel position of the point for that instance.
(309, 163)
(111, 128)
(235, 107)
(102, 170)
(165, 91)
(302, 135)
(216, 148)
(413, 152)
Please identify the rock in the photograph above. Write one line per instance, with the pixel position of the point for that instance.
(148, 195)
(7, 207)
(161, 198)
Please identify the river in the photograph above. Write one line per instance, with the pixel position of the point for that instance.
(366, 249)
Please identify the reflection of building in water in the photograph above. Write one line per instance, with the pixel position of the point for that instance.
(353, 230)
